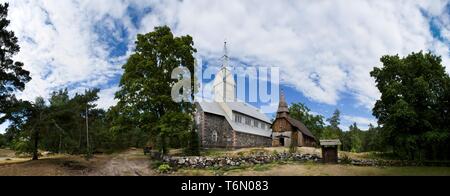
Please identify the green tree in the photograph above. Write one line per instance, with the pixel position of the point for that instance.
(60, 126)
(335, 120)
(145, 100)
(373, 140)
(315, 123)
(414, 106)
(12, 75)
(355, 136)
(332, 131)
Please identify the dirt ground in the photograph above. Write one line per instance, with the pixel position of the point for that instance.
(345, 170)
(294, 169)
(128, 163)
(134, 163)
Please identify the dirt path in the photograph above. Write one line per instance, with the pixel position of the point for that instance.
(129, 163)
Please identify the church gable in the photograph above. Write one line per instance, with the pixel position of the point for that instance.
(228, 123)
(288, 131)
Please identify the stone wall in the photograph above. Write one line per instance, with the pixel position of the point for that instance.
(224, 162)
(211, 123)
(244, 140)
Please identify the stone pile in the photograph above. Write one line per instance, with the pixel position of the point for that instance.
(221, 162)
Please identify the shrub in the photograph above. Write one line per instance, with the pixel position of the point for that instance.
(346, 159)
(275, 153)
(164, 168)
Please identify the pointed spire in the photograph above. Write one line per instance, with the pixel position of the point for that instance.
(225, 55)
(283, 107)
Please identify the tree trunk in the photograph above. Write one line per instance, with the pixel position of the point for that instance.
(36, 144)
(87, 131)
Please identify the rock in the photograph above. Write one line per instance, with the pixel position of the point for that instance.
(181, 161)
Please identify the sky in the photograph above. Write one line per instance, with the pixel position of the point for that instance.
(325, 49)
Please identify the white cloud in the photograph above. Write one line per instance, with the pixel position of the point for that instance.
(59, 45)
(324, 48)
(107, 98)
(3, 127)
(362, 122)
(338, 41)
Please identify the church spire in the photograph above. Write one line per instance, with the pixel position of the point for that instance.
(283, 108)
(225, 55)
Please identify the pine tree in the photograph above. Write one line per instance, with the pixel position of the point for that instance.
(12, 75)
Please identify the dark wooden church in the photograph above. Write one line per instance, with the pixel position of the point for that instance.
(287, 131)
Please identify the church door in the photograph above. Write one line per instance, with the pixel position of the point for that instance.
(282, 141)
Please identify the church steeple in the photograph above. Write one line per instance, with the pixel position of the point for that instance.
(224, 84)
(283, 108)
(225, 58)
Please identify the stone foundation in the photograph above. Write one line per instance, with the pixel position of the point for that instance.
(224, 162)
(216, 132)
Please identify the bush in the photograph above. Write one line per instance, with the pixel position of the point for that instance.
(346, 159)
(21, 146)
(193, 146)
(275, 153)
(164, 168)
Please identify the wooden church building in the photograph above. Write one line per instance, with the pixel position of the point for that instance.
(287, 131)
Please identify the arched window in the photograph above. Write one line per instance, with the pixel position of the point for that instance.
(214, 136)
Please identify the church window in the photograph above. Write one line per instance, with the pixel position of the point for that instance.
(214, 136)
(197, 118)
(248, 121)
(256, 123)
(237, 118)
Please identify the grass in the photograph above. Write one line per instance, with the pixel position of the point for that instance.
(6, 153)
(313, 169)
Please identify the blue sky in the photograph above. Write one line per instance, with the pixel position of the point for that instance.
(325, 49)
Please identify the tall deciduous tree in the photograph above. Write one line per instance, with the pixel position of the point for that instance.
(414, 106)
(146, 85)
(315, 123)
(12, 75)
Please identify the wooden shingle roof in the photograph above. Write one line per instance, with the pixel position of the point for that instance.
(300, 126)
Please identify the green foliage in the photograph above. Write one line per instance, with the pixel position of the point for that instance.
(275, 153)
(335, 120)
(352, 140)
(315, 123)
(60, 126)
(333, 131)
(145, 102)
(12, 75)
(164, 168)
(414, 106)
(193, 146)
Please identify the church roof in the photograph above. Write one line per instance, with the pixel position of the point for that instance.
(243, 108)
(300, 126)
(283, 106)
(248, 110)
